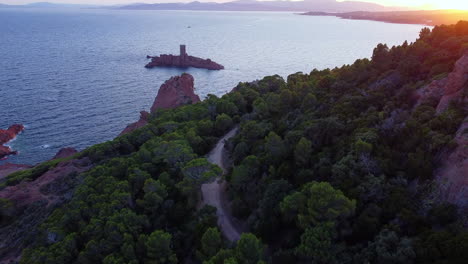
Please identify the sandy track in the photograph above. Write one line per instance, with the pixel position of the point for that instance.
(214, 192)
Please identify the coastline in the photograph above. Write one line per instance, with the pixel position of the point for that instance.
(422, 17)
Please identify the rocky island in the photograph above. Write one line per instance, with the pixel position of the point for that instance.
(182, 61)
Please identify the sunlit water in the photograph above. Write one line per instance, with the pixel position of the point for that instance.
(76, 78)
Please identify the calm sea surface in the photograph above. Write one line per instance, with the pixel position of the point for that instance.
(77, 77)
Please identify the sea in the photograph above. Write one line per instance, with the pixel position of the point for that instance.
(76, 77)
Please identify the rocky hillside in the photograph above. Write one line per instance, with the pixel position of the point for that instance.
(365, 163)
(453, 170)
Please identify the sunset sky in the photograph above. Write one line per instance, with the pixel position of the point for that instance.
(429, 4)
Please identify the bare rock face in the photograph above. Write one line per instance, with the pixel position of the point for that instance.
(452, 175)
(453, 87)
(177, 91)
(391, 81)
(457, 84)
(434, 90)
(65, 153)
(6, 136)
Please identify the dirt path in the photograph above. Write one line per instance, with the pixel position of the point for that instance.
(214, 192)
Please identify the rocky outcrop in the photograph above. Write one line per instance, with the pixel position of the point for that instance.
(10, 133)
(65, 153)
(30, 202)
(457, 84)
(453, 87)
(144, 117)
(432, 91)
(182, 61)
(452, 175)
(391, 81)
(9, 168)
(6, 151)
(177, 91)
(6, 136)
(28, 192)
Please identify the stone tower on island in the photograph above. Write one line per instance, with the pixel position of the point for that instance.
(183, 53)
(183, 60)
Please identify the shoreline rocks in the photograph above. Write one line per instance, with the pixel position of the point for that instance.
(65, 153)
(6, 135)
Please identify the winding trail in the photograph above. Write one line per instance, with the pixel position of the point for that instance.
(213, 193)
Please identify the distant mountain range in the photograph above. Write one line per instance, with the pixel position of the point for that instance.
(240, 5)
(47, 5)
(252, 5)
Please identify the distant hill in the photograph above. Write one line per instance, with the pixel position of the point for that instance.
(425, 17)
(46, 5)
(251, 5)
(331, 6)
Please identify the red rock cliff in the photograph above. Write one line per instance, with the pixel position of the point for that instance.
(457, 84)
(177, 91)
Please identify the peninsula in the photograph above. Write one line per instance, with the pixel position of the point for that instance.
(422, 17)
(182, 61)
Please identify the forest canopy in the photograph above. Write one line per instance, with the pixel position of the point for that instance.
(333, 166)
